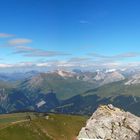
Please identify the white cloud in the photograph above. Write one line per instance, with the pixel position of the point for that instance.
(116, 57)
(4, 35)
(19, 41)
(5, 65)
(43, 65)
(23, 49)
(33, 52)
(44, 53)
(79, 59)
(61, 64)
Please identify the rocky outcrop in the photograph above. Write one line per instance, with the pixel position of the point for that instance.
(111, 123)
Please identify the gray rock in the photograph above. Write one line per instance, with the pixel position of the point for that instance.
(111, 123)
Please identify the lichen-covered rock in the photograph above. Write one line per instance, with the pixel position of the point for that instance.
(111, 123)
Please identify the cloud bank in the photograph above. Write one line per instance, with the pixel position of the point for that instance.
(117, 57)
(33, 52)
(19, 46)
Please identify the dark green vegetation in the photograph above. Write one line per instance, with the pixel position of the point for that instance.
(123, 96)
(115, 89)
(19, 127)
(88, 104)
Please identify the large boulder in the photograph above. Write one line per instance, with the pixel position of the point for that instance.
(111, 123)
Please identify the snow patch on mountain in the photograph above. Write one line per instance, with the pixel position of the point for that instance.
(41, 103)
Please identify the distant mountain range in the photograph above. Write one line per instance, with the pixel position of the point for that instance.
(74, 92)
(17, 75)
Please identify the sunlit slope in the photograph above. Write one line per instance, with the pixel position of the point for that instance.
(59, 127)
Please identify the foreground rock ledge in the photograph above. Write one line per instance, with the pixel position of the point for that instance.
(111, 123)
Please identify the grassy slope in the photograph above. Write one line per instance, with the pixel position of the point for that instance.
(59, 127)
(115, 89)
(62, 127)
(23, 131)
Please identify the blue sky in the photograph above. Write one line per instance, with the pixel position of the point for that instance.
(69, 32)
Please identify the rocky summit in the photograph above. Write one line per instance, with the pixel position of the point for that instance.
(111, 123)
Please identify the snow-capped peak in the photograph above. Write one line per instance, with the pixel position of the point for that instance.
(65, 73)
(110, 70)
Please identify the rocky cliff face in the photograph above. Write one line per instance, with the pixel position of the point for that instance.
(110, 123)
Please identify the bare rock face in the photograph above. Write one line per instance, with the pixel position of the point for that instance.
(111, 123)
